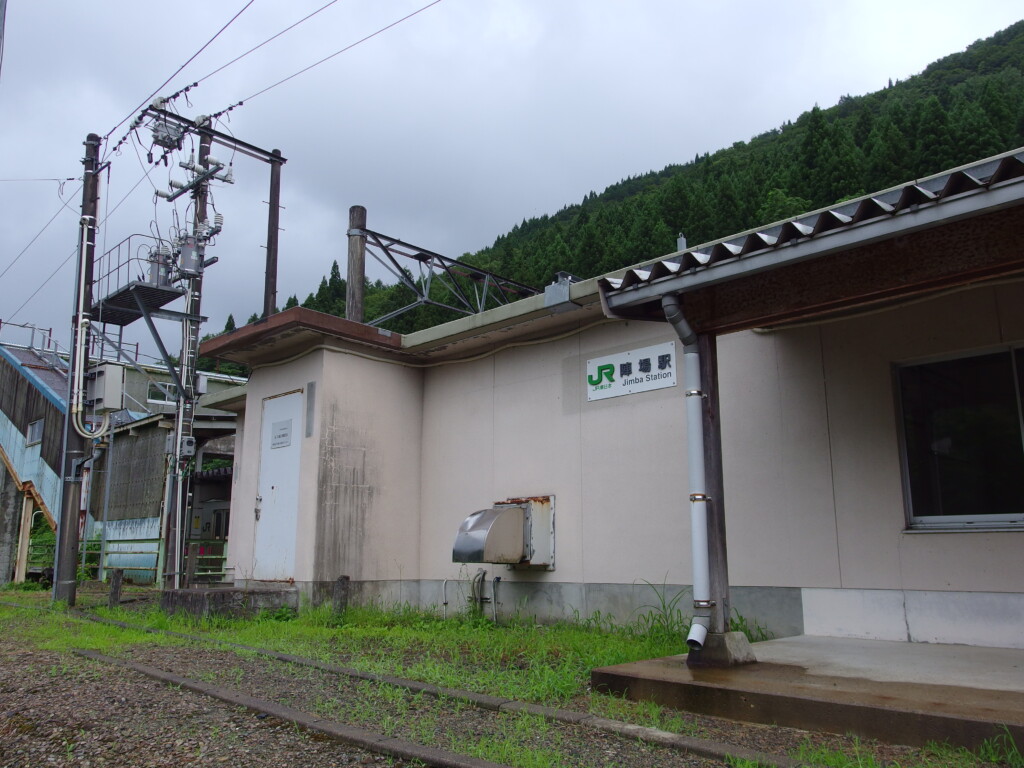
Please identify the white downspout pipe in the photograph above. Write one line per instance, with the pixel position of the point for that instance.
(702, 602)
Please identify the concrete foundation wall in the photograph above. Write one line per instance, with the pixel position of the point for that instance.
(969, 618)
(780, 611)
(10, 522)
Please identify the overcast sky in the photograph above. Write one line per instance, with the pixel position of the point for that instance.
(450, 128)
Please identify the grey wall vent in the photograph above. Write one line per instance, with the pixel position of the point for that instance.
(517, 532)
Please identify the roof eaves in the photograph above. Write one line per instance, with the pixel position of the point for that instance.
(967, 191)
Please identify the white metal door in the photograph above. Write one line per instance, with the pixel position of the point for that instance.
(278, 494)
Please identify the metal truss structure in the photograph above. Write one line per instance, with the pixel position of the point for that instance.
(441, 281)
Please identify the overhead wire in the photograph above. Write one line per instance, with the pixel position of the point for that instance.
(216, 115)
(70, 178)
(268, 40)
(43, 285)
(184, 91)
(107, 136)
(177, 71)
(325, 59)
(60, 266)
(39, 233)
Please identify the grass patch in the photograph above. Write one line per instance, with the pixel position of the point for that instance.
(646, 713)
(23, 586)
(61, 631)
(546, 664)
(523, 660)
(1000, 750)
(514, 743)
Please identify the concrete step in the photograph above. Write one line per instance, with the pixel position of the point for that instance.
(876, 704)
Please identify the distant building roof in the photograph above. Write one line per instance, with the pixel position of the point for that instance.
(39, 369)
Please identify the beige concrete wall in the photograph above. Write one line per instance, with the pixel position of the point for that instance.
(518, 424)
(399, 456)
(366, 510)
(780, 520)
(812, 456)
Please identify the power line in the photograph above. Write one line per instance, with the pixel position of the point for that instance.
(37, 290)
(38, 234)
(269, 39)
(64, 263)
(178, 70)
(326, 58)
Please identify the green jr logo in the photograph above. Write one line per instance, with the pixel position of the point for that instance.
(606, 371)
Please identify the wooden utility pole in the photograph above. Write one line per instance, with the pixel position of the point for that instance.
(273, 226)
(356, 263)
(718, 561)
(66, 568)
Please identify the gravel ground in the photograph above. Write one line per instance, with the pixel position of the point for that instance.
(60, 709)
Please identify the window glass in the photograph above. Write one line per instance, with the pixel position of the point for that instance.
(35, 432)
(962, 434)
(157, 395)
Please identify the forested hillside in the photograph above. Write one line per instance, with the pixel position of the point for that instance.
(962, 108)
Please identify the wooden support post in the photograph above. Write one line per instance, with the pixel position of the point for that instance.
(273, 228)
(339, 598)
(190, 564)
(28, 506)
(715, 483)
(356, 264)
(116, 578)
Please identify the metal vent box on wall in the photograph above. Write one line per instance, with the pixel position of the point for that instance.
(517, 532)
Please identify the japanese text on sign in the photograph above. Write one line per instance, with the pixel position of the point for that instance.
(627, 373)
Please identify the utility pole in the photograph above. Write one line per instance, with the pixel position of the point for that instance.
(273, 227)
(66, 568)
(191, 264)
(356, 263)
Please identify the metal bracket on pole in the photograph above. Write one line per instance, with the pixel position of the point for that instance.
(160, 345)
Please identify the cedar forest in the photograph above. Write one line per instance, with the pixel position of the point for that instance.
(963, 108)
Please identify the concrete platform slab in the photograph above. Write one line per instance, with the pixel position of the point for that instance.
(907, 693)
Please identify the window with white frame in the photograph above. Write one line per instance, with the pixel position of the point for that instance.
(160, 393)
(963, 441)
(34, 434)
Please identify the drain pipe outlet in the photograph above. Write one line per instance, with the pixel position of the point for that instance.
(702, 602)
